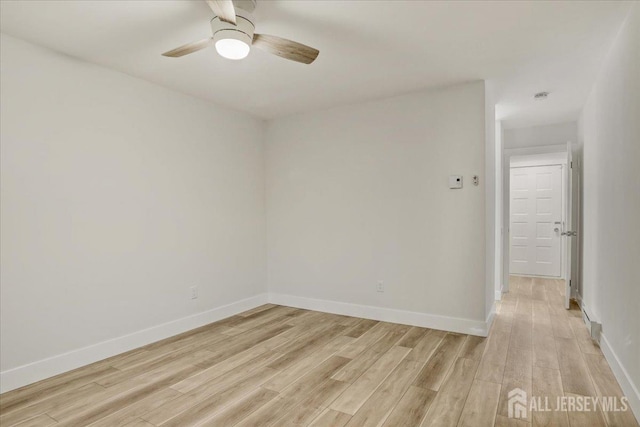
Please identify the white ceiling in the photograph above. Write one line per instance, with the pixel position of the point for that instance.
(368, 49)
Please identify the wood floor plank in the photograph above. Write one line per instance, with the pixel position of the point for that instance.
(436, 368)
(231, 331)
(366, 340)
(242, 379)
(524, 307)
(136, 410)
(300, 368)
(584, 418)
(306, 347)
(447, 406)
(586, 344)
(355, 396)
(163, 363)
(493, 360)
(177, 340)
(42, 420)
(538, 290)
(427, 345)
(270, 413)
(360, 328)
(186, 411)
(573, 369)
(257, 310)
(139, 423)
(518, 373)
(264, 348)
(116, 402)
(244, 342)
(134, 359)
(544, 349)
(481, 405)
(412, 337)
(306, 318)
(313, 405)
(521, 334)
(367, 358)
(377, 408)
(309, 335)
(547, 384)
(85, 402)
(525, 286)
(560, 325)
(541, 316)
(42, 390)
(473, 347)
(411, 408)
(331, 418)
(240, 410)
(176, 350)
(503, 321)
(270, 316)
(606, 386)
(510, 422)
(51, 404)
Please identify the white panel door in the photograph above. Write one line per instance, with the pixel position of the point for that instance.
(536, 215)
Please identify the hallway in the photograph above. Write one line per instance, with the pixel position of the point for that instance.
(538, 346)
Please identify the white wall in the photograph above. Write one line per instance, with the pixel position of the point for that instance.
(610, 132)
(359, 194)
(117, 196)
(558, 133)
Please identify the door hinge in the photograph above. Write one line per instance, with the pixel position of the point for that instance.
(571, 165)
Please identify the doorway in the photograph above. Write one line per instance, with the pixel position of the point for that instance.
(538, 237)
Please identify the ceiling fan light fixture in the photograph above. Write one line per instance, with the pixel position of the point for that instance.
(231, 48)
(233, 41)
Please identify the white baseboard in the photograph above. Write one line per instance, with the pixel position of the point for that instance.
(626, 383)
(498, 295)
(36, 371)
(453, 324)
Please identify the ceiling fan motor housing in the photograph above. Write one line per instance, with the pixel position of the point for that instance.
(243, 31)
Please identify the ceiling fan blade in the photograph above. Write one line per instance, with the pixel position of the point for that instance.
(189, 48)
(285, 48)
(223, 9)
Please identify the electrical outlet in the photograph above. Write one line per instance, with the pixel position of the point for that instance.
(380, 287)
(194, 292)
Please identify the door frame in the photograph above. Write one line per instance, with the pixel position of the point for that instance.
(507, 154)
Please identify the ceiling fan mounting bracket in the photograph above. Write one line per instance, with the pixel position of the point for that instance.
(243, 30)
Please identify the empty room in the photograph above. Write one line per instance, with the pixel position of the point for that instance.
(319, 213)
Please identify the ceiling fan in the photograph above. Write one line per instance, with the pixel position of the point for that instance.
(233, 35)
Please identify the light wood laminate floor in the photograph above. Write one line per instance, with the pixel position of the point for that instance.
(281, 366)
